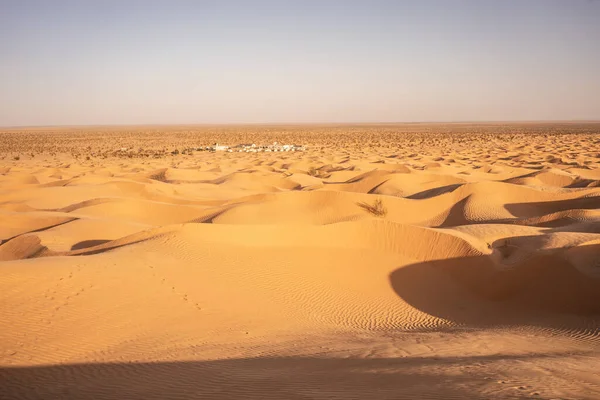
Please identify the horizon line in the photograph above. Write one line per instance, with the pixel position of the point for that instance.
(361, 123)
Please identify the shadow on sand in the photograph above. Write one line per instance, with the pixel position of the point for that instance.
(267, 378)
(544, 291)
(84, 244)
(527, 210)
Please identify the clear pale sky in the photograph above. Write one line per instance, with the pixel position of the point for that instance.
(179, 62)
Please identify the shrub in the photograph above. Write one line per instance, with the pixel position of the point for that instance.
(377, 208)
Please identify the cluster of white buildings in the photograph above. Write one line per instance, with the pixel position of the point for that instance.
(253, 148)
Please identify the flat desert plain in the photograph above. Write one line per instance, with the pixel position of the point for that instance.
(414, 261)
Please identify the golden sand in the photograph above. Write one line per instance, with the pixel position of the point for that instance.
(385, 262)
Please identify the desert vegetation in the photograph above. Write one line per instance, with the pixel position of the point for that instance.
(377, 208)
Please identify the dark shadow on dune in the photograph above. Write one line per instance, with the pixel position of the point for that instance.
(61, 182)
(95, 249)
(434, 192)
(84, 244)
(544, 291)
(538, 209)
(581, 183)
(515, 178)
(210, 219)
(267, 378)
(556, 223)
(83, 204)
(45, 228)
(456, 215)
(581, 227)
(374, 189)
(105, 247)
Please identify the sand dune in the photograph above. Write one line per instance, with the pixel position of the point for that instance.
(383, 268)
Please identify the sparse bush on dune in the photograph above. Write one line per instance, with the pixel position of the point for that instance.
(17, 158)
(377, 208)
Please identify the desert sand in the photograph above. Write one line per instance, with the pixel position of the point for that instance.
(406, 261)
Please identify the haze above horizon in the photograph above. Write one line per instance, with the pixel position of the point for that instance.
(219, 62)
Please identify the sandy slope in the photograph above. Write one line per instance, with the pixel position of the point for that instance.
(279, 276)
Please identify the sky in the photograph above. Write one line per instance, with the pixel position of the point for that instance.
(112, 62)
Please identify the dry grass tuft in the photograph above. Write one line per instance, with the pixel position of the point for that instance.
(377, 208)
